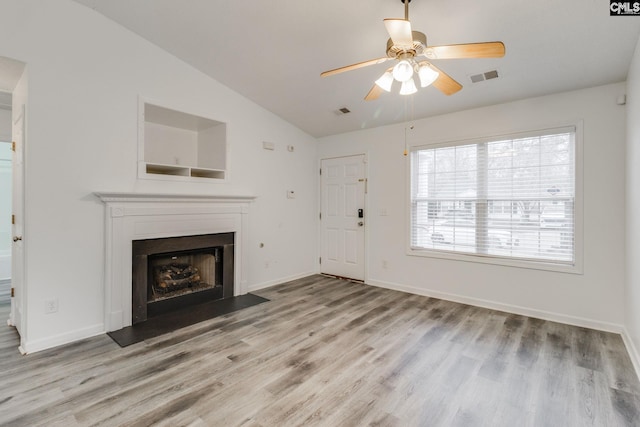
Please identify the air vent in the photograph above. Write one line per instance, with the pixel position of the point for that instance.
(342, 111)
(476, 78)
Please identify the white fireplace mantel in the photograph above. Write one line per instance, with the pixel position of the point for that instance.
(137, 216)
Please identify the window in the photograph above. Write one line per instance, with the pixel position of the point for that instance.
(501, 198)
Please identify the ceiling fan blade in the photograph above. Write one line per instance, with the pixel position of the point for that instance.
(354, 66)
(374, 93)
(444, 83)
(468, 50)
(400, 31)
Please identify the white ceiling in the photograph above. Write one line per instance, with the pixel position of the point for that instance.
(273, 51)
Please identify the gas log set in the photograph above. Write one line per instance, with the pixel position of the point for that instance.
(173, 277)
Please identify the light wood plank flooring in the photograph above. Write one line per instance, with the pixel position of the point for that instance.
(330, 352)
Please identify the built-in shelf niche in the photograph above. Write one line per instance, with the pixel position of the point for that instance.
(175, 145)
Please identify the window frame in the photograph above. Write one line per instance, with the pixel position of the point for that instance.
(575, 268)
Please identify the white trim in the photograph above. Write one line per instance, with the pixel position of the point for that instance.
(138, 216)
(280, 281)
(577, 267)
(496, 260)
(508, 308)
(546, 131)
(61, 339)
(163, 197)
(632, 350)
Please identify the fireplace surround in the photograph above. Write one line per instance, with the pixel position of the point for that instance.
(138, 216)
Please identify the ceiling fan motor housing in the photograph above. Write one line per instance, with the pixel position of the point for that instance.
(418, 47)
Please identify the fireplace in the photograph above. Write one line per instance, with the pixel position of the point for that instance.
(131, 217)
(176, 272)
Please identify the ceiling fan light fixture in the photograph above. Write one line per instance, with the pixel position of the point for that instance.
(385, 81)
(408, 87)
(403, 71)
(427, 75)
(407, 47)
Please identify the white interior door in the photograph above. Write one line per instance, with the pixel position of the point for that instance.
(343, 185)
(17, 249)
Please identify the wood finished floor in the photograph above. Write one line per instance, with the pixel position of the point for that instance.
(330, 352)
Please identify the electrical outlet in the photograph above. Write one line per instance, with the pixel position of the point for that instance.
(51, 306)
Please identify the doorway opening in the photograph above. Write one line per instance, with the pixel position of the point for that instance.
(13, 97)
(5, 213)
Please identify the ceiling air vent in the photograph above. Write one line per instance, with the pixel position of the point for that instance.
(476, 78)
(342, 111)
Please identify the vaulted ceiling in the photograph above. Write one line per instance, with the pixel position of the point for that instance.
(273, 51)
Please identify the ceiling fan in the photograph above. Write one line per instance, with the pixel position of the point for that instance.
(406, 47)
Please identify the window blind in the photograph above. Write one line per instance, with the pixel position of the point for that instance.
(506, 197)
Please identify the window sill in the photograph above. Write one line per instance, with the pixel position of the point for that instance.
(489, 259)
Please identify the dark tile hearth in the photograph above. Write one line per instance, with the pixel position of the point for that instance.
(162, 324)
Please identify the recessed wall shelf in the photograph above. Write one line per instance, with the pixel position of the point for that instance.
(175, 145)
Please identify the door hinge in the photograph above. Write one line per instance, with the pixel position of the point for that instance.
(13, 146)
(320, 171)
(13, 219)
(320, 215)
(320, 260)
(13, 292)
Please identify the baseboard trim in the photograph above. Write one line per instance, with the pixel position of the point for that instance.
(632, 350)
(279, 281)
(514, 309)
(99, 329)
(61, 339)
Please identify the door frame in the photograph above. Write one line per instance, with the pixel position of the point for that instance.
(367, 209)
(18, 196)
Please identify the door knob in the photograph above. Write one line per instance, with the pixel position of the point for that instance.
(360, 224)
(16, 238)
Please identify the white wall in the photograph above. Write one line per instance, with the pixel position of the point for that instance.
(85, 76)
(594, 298)
(632, 291)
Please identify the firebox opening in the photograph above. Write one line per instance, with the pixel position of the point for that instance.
(180, 273)
(177, 272)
